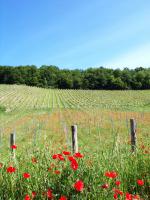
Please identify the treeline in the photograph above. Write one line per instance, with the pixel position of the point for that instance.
(92, 78)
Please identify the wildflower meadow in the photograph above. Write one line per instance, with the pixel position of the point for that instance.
(41, 163)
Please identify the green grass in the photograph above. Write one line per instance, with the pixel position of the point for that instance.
(42, 121)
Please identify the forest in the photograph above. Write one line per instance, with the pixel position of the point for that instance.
(50, 76)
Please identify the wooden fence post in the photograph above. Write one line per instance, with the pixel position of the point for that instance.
(12, 142)
(133, 134)
(74, 139)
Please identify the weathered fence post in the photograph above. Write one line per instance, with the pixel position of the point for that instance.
(12, 142)
(133, 134)
(74, 139)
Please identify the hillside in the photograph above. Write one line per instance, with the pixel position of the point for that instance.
(15, 97)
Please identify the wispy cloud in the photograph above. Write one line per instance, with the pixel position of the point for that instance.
(136, 57)
(100, 41)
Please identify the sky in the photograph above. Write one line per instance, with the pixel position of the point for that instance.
(75, 33)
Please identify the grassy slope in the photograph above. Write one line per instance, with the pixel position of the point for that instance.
(22, 97)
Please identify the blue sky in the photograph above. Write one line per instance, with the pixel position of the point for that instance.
(75, 33)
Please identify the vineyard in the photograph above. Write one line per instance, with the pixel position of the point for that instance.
(44, 166)
(15, 97)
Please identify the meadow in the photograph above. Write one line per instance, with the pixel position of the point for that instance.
(44, 166)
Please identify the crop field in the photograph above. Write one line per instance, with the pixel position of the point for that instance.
(42, 165)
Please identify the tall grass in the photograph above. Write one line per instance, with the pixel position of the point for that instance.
(38, 162)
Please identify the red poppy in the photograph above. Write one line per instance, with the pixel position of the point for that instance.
(128, 196)
(111, 174)
(132, 197)
(11, 169)
(55, 156)
(79, 186)
(105, 186)
(26, 175)
(117, 191)
(33, 194)
(63, 198)
(49, 194)
(71, 158)
(74, 165)
(117, 183)
(27, 197)
(60, 157)
(115, 196)
(78, 155)
(66, 153)
(57, 172)
(13, 146)
(140, 182)
(1, 165)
